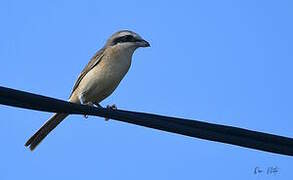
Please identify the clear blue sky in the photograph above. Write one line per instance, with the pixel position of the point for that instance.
(224, 62)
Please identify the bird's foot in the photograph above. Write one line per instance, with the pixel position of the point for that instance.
(89, 104)
(111, 107)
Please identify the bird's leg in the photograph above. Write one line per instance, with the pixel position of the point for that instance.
(111, 107)
(89, 104)
(97, 105)
(82, 101)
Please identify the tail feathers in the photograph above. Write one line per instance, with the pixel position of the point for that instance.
(35, 140)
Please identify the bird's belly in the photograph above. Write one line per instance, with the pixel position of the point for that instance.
(102, 80)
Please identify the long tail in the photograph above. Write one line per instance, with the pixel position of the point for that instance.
(35, 140)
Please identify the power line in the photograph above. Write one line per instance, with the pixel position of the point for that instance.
(193, 128)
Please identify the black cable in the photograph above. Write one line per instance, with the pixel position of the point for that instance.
(214, 132)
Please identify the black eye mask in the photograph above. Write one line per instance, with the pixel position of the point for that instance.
(126, 38)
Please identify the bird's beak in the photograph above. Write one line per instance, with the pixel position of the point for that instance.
(144, 43)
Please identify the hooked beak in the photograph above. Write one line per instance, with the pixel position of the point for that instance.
(144, 43)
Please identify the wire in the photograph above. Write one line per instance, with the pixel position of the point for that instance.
(193, 128)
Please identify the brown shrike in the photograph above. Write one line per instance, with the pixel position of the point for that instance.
(99, 78)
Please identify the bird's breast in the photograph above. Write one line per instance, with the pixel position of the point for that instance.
(103, 79)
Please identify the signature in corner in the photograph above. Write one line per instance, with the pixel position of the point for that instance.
(272, 170)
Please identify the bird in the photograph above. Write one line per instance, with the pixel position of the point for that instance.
(99, 78)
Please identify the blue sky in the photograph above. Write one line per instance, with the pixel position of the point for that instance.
(223, 62)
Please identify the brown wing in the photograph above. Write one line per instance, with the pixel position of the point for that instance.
(93, 62)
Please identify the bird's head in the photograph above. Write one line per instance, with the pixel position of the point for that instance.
(127, 39)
